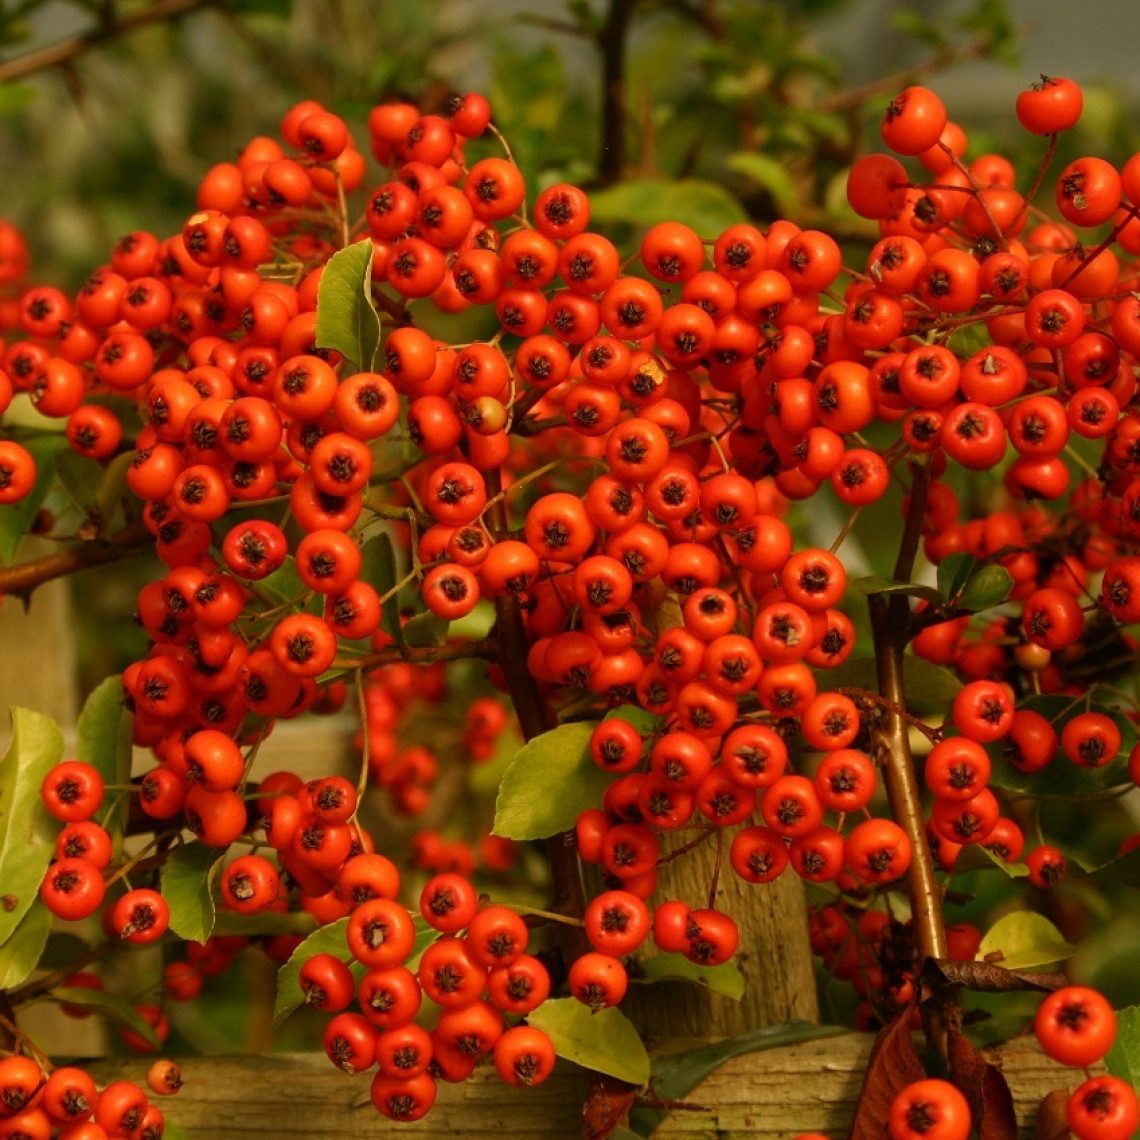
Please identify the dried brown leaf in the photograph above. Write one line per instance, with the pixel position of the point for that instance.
(989, 977)
(1051, 1122)
(984, 1086)
(892, 1066)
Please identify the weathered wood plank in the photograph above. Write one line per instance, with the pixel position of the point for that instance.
(764, 1096)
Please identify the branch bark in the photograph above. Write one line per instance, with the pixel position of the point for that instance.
(24, 577)
(64, 52)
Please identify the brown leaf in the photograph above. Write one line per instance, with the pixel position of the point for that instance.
(1051, 1122)
(989, 977)
(892, 1066)
(606, 1106)
(984, 1087)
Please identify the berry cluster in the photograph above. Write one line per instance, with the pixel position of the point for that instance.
(611, 470)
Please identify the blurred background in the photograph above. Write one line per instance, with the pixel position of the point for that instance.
(763, 97)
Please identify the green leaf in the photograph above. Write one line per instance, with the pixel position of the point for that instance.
(872, 584)
(645, 722)
(975, 857)
(103, 739)
(1125, 870)
(989, 586)
(1123, 1059)
(265, 924)
(1024, 940)
(283, 585)
(675, 1075)
(331, 939)
(21, 953)
(15, 518)
(550, 781)
(1062, 779)
(953, 573)
(929, 688)
(378, 569)
(103, 1002)
(27, 832)
(80, 478)
(187, 878)
(426, 630)
(112, 485)
(605, 1042)
(346, 320)
(705, 206)
(769, 173)
(725, 979)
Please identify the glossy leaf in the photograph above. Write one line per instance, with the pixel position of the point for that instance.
(21, 952)
(103, 739)
(550, 781)
(874, 584)
(1024, 939)
(605, 1042)
(1061, 778)
(330, 939)
(642, 202)
(27, 832)
(346, 319)
(953, 573)
(987, 587)
(975, 857)
(1123, 1059)
(187, 880)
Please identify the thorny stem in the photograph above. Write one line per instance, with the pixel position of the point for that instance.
(890, 631)
(24, 577)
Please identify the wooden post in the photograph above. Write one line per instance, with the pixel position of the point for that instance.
(773, 1095)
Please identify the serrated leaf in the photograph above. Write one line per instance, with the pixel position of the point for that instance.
(103, 739)
(874, 584)
(346, 318)
(986, 587)
(605, 1042)
(675, 1075)
(23, 948)
(27, 832)
(187, 880)
(954, 572)
(101, 1001)
(15, 518)
(769, 173)
(705, 206)
(1024, 939)
(550, 781)
(725, 979)
(1123, 1059)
